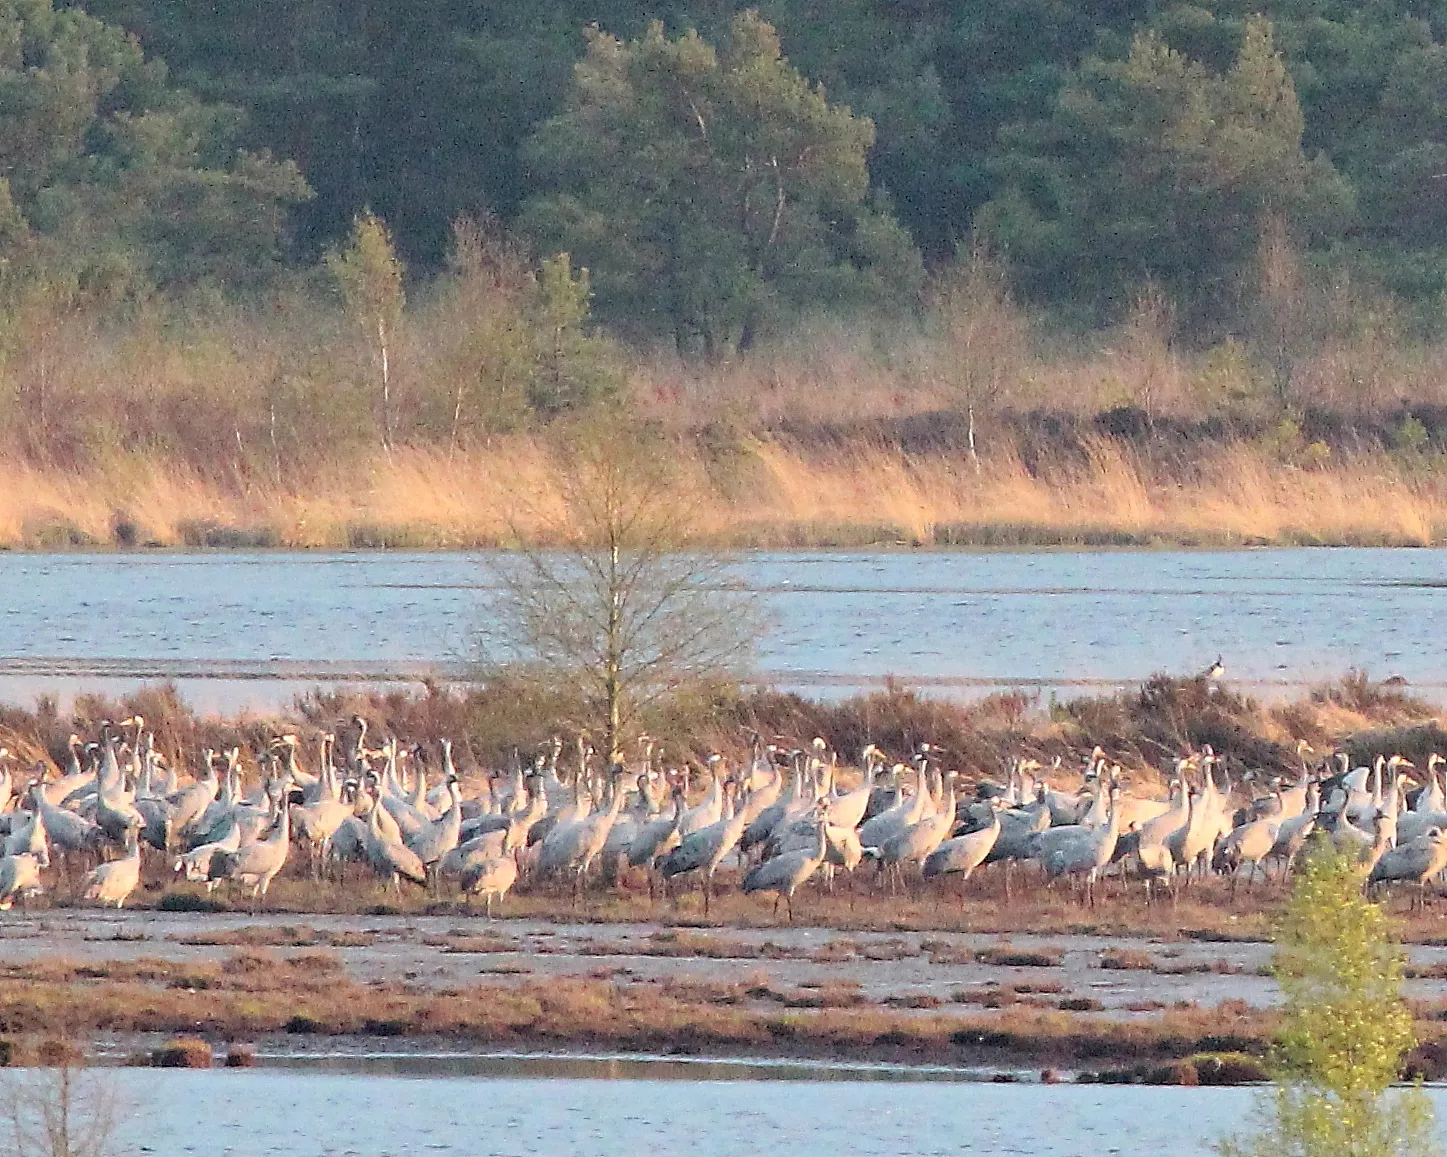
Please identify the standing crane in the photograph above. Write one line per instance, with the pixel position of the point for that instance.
(783, 874)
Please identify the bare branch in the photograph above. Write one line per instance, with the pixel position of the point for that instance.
(626, 607)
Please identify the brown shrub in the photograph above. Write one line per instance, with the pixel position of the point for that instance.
(182, 1053)
(913, 1000)
(1004, 956)
(1228, 1069)
(1126, 958)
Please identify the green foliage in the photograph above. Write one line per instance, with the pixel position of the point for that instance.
(115, 180)
(1154, 168)
(571, 368)
(515, 343)
(1340, 974)
(706, 189)
(1034, 108)
(1410, 435)
(1345, 1028)
(368, 274)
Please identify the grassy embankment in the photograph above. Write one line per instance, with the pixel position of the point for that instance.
(228, 428)
(785, 493)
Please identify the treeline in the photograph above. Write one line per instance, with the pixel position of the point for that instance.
(261, 238)
(1098, 147)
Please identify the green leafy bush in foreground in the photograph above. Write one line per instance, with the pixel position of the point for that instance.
(1345, 1031)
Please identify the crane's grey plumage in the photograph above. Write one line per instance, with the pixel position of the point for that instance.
(195, 865)
(113, 882)
(571, 849)
(1416, 863)
(390, 858)
(442, 835)
(914, 843)
(1081, 850)
(783, 874)
(491, 878)
(19, 877)
(657, 837)
(255, 865)
(704, 849)
(963, 854)
(1250, 844)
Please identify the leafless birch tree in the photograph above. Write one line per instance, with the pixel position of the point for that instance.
(622, 605)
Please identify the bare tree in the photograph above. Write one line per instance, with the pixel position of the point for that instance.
(623, 605)
(1283, 322)
(1144, 355)
(986, 336)
(61, 1110)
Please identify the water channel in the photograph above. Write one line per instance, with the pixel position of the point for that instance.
(259, 1112)
(253, 629)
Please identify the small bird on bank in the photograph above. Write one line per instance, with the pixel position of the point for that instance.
(1215, 670)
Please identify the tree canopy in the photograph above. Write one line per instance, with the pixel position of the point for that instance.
(1153, 168)
(1097, 144)
(112, 177)
(704, 188)
(1345, 1028)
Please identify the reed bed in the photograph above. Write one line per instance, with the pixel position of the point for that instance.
(773, 492)
(225, 426)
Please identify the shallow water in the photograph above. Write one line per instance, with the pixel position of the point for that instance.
(256, 1112)
(251, 1113)
(254, 628)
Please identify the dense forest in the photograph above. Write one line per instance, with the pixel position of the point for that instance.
(712, 186)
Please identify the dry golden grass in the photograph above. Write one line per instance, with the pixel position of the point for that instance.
(777, 492)
(230, 425)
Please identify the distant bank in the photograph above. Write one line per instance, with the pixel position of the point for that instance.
(764, 492)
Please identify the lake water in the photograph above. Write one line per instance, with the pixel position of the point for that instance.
(259, 1112)
(252, 629)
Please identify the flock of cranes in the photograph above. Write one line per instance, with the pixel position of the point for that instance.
(780, 820)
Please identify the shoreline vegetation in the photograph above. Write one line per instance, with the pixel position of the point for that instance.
(778, 493)
(1238, 343)
(211, 427)
(309, 995)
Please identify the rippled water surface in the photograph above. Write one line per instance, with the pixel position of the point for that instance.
(249, 626)
(261, 1112)
(257, 1112)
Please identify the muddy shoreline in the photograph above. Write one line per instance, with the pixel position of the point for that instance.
(314, 989)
